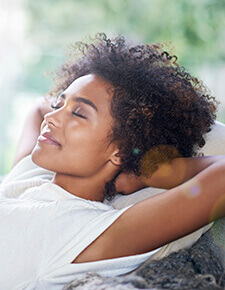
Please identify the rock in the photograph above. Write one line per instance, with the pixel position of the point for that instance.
(91, 281)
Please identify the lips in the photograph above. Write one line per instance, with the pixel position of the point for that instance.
(49, 139)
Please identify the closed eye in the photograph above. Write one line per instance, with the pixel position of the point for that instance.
(78, 114)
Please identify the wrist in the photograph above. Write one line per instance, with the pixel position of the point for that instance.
(43, 105)
(129, 183)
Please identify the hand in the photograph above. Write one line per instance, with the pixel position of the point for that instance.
(44, 105)
(31, 129)
(129, 183)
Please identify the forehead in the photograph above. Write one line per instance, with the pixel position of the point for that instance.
(90, 87)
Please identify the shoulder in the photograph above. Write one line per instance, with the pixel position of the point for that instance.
(25, 169)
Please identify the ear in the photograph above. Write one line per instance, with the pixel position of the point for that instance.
(116, 158)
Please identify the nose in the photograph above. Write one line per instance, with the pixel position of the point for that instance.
(53, 119)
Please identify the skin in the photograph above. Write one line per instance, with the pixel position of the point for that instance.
(85, 160)
(74, 161)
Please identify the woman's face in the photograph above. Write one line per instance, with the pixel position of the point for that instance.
(73, 137)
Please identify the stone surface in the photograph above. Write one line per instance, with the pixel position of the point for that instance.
(91, 281)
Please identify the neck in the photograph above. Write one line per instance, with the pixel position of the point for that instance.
(91, 188)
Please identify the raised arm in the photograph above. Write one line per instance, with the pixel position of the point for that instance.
(169, 174)
(166, 217)
(31, 128)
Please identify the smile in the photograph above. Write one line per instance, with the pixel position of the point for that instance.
(48, 138)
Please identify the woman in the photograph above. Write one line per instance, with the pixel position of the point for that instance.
(123, 118)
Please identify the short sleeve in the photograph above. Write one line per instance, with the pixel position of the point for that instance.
(26, 169)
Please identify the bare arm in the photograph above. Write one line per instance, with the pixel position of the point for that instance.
(168, 175)
(166, 217)
(31, 128)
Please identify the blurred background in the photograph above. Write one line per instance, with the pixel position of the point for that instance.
(34, 36)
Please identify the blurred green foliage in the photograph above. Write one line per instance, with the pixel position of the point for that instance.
(196, 27)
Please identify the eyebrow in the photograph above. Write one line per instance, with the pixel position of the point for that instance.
(81, 100)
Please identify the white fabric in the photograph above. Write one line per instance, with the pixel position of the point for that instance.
(43, 228)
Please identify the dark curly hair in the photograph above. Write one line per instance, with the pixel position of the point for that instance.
(160, 111)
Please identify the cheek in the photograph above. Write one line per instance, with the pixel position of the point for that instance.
(84, 157)
(87, 150)
(84, 152)
(93, 140)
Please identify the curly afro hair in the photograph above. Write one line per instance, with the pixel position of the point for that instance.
(160, 111)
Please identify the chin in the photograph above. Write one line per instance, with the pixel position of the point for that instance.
(39, 159)
(35, 159)
(42, 159)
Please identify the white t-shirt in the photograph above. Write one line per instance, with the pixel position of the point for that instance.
(43, 228)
